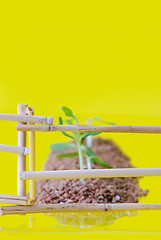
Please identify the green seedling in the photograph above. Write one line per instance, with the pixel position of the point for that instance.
(86, 154)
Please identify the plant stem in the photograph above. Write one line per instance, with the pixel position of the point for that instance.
(89, 141)
(89, 164)
(80, 156)
(80, 159)
(89, 138)
(89, 144)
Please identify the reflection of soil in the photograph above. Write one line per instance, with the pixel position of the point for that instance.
(89, 219)
(103, 190)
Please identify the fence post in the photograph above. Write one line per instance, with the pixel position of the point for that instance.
(32, 194)
(21, 160)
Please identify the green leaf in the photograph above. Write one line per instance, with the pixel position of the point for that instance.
(99, 161)
(61, 146)
(84, 135)
(98, 119)
(67, 135)
(60, 121)
(89, 152)
(111, 123)
(69, 121)
(64, 155)
(68, 112)
(94, 158)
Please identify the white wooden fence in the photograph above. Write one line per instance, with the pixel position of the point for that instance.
(26, 123)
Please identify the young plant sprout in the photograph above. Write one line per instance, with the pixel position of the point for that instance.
(85, 153)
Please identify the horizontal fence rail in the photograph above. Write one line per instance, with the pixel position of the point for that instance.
(14, 149)
(26, 118)
(49, 208)
(91, 128)
(95, 173)
(12, 199)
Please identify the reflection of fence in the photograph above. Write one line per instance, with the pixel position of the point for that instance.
(26, 115)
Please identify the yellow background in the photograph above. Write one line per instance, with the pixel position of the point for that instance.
(97, 57)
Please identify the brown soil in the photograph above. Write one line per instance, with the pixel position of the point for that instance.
(97, 190)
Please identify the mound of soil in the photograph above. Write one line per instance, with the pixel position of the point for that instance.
(96, 190)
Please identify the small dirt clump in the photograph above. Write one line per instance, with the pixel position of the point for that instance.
(93, 190)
